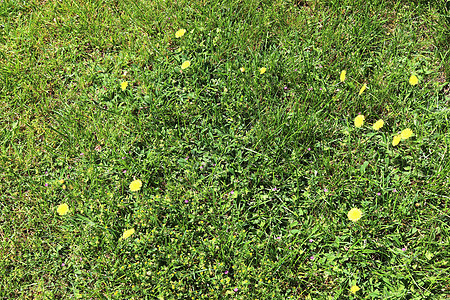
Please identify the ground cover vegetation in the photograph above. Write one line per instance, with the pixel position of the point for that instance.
(231, 149)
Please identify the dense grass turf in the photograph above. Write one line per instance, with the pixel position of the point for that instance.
(247, 176)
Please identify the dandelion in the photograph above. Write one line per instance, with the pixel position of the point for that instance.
(262, 70)
(127, 233)
(359, 121)
(61, 181)
(362, 89)
(413, 80)
(396, 140)
(406, 133)
(124, 85)
(354, 289)
(343, 73)
(242, 69)
(378, 124)
(135, 185)
(63, 209)
(354, 214)
(185, 65)
(180, 33)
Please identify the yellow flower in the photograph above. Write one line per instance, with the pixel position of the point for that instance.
(242, 69)
(354, 214)
(262, 70)
(406, 133)
(63, 209)
(61, 181)
(354, 289)
(127, 233)
(186, 64)
(378, 124)
(359, 121)
(343, 73)
(180, 33)
(396, 140)
(135, 185)
(362, 89)
(413, 80)
(124, 85)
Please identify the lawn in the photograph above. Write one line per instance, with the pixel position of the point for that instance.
(224, 149)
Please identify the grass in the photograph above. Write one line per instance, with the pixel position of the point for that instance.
(247, 177)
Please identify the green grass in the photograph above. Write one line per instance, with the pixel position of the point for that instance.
(247, 177)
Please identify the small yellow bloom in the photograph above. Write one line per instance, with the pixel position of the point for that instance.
(135, 185)
(262, 70)
(354, 289)
(185, 65)
(378, 124)
(127, 233)
(396, 140)
(124, 85)
(343, 73)
(354, 214)
(63, 209)
(61, 181)
(359, 121)
(406, 133)
(180, 33)
(413, 80)
(362, 89)
(242, 69)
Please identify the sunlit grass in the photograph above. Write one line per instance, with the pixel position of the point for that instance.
(224, 150)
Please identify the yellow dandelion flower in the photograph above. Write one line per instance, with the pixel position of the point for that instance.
(185, 65)
(406, 133)
(135, 185)
(127, 233)
(413, 80)
(378, 124)
(343, 73)
(124, 85)
(354, 289)
(359, 121)
(180, 33)
(61, 181)
(262, 70)
(242, 69)
(396, 140)
(354, 214)
(63, 209)
(362, 89)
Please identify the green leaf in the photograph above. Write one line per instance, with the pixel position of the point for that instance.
(363, 167)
